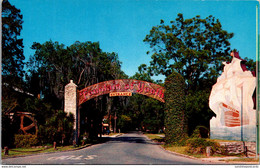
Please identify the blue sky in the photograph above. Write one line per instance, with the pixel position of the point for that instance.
(121, 25)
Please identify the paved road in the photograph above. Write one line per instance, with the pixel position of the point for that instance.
(132, 148)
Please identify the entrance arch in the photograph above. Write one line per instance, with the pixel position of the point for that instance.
(121, 87)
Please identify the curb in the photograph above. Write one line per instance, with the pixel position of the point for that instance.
(186, 156)
(179, 154)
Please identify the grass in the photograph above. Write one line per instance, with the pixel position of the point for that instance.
(182, 150)
(220, 140)
(172, 148)
(155, 137)
(177, 149)
(30, 151)
(111, 134)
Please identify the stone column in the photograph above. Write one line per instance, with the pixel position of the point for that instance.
(71, 105)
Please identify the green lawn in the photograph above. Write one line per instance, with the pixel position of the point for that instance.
(111, 134)
(30, 151)
(155, 137)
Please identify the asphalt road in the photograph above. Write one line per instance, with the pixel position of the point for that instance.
(131, 148)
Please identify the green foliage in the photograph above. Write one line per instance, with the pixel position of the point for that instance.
(53, 66)
(194, 47)
(145, 113)
(124, 123)
(198, 145)
(143, 73)
(197, 109)
(153, 115)
(175, 117)
(7, 132)
(58, 128)
(250, 64)
(40, 109)
(25, 140)
(12, 46)
(12, 67)
(200, 132)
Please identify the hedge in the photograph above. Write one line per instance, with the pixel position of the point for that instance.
(25, 140)
(175, 118)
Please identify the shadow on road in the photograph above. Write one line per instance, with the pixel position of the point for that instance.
(138, 140)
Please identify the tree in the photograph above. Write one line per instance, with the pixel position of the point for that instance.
(12, 45)
(197, 109)
(12, 54)
(143, 73)
(152, 115)
(145, 113)
(59, 128)
(250, 64)
(12, 68)
(53, 65)
(194, 47)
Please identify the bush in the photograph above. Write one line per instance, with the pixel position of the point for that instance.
(25, 140)
(198, 146)
(58, 128)
(176, 130)
(200, 132)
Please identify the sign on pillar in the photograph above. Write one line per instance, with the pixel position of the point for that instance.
(70, 104)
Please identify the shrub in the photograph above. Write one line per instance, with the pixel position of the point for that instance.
(198, 145)
(200, 132)
(175, 118)
(25, 140)
(58, 128)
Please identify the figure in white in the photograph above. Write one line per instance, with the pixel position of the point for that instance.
(232, 92)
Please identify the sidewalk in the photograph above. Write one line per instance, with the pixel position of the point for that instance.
(220, 159)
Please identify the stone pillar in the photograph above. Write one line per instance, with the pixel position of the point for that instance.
(71, 105)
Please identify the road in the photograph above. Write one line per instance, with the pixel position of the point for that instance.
(132, 148)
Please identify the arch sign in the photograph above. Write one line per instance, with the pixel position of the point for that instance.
(122, 87)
